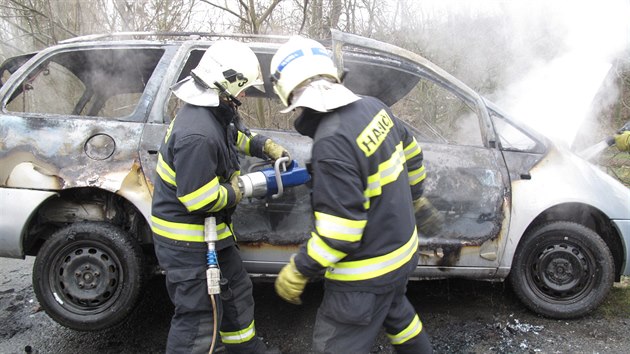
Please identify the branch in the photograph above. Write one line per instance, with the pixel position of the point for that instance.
(303, 16)
(271, 7)
(44, 16)
(32, 34)
(18, 50)
(226, 10)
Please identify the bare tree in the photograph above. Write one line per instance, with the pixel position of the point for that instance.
(251, 14)
(34, 24)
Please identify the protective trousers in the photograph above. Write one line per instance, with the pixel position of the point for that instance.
(349, 322)
(192, 322)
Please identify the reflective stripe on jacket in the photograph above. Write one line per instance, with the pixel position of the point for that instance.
(366, 168)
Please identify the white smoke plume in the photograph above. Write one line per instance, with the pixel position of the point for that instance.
(555, 95)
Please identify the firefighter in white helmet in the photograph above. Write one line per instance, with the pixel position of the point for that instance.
(367, 171)
(198, 170)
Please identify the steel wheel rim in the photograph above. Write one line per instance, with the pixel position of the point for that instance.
(561, 271)
(85, 277)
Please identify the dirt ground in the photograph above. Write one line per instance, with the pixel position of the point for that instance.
(461, 317)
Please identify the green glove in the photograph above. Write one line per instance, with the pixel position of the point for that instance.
(623, 141)
(275, 151)
(237, 190)
(428, 219)
(290, 283)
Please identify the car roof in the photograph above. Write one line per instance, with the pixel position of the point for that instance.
(371, 67)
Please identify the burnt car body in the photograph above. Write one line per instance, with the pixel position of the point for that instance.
(82, 121)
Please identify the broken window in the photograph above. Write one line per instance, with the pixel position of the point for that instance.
(258, 109)
(92, 82)
(440, 115)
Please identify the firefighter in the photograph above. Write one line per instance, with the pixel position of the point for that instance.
(198, 170)
(367, 171)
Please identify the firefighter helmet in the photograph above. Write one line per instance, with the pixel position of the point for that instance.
(227, 65)
(298, 61)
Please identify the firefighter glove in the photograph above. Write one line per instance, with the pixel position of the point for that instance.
(428, 219)
(290, 283)
(623, 141)
(237, 191)
(275, 151)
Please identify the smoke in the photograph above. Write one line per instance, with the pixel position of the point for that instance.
(554, 95)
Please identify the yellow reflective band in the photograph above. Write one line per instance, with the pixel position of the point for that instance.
(374, 267)
(412, 149)
(177, 231)
(388, 171)
(375, 133)
(185, 232)
(223, 231)
(321, 252)
(417, 176)
(237, 337)
(221, 199)
(242, 142)
(414, 328)
(165, 171)
(202, 196)
(339, 228)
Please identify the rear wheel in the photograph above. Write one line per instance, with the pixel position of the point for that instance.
(88, 276)
(562, 270)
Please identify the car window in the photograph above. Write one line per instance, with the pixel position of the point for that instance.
(511, 137)
(92, 82)
(439, 115)
(258, 110)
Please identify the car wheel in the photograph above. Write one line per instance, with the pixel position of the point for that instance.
(88, 276)
(562, 270)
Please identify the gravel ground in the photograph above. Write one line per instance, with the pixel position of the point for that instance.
(461, 317)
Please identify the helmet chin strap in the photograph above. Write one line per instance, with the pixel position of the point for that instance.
(223, 91)
(235, 103)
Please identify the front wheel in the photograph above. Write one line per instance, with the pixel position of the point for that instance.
(88, 276)
(562, 270)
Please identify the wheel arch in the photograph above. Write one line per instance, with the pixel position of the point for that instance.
(85, 204)
(589, 217)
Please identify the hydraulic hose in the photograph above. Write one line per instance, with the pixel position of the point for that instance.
(214, 323)
(213, 273)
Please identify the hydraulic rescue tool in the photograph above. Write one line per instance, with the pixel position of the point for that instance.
(271, 181)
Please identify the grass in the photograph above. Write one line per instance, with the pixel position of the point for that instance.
(617, 304)
(616, 164)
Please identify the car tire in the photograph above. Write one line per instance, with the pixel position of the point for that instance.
(88, 276)
(562, 270)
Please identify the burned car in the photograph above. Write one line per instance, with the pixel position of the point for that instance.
(82, 121)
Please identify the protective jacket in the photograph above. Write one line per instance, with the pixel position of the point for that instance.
(365, 232)
(195, 163)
